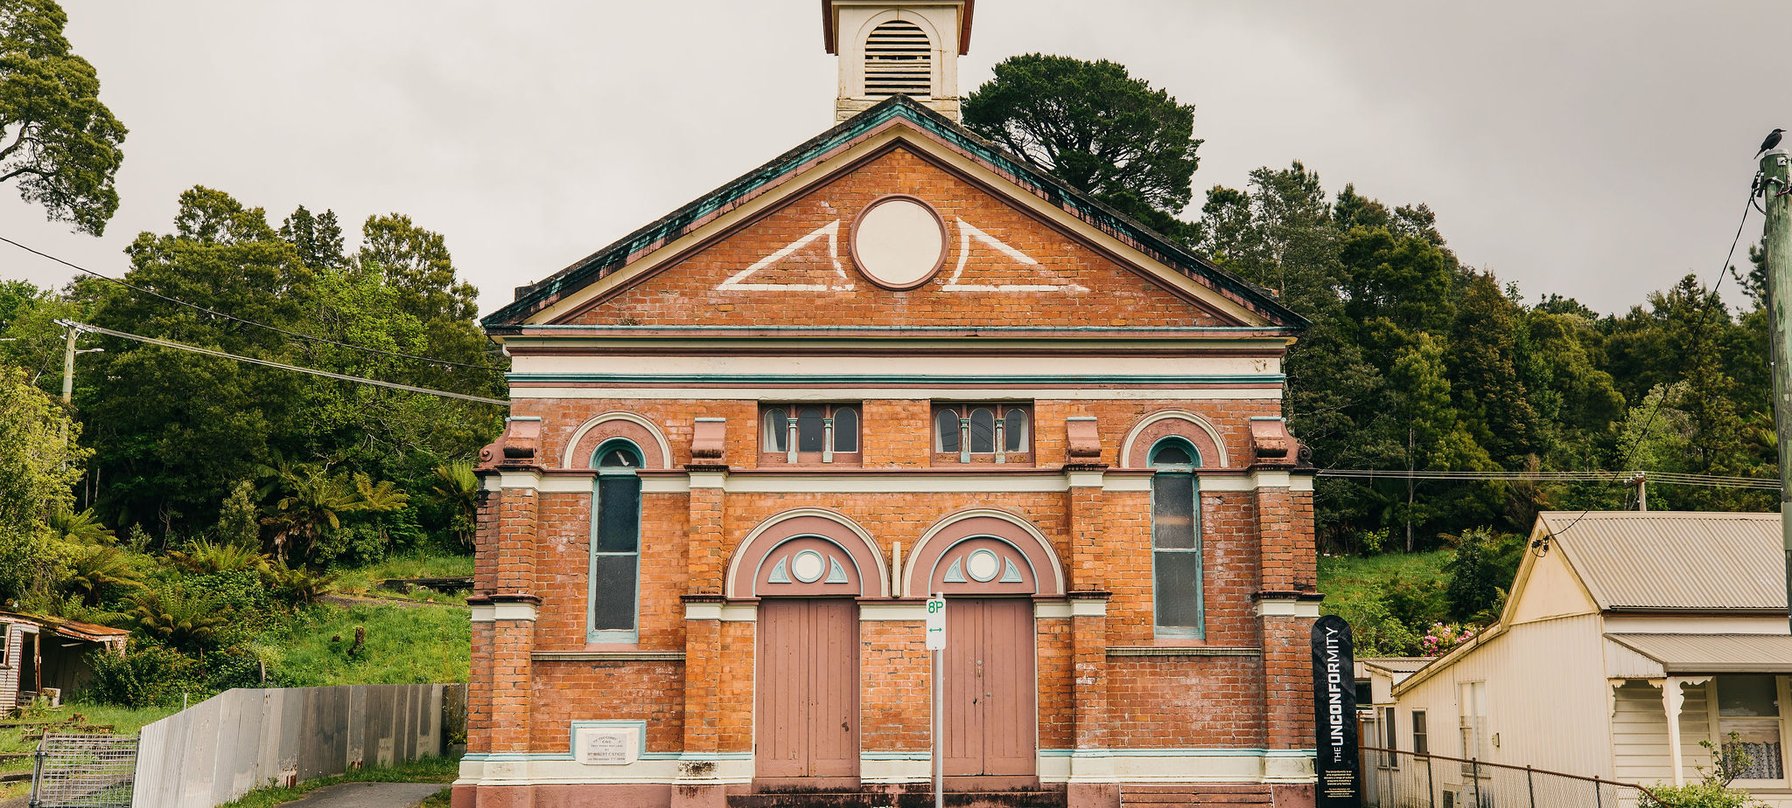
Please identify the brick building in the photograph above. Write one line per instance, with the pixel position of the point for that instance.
(747, 440)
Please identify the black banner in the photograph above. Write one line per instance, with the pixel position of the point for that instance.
(1338, 766)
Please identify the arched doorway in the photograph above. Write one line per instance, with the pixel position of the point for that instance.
(807, 572)
(989, 568)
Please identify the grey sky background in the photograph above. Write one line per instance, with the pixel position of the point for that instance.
(1594, 148)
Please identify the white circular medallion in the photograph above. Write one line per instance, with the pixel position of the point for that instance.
(898, 242)
(808, 566)
(982, 565)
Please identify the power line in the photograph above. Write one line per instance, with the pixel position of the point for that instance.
(233, 318)
(1663, 477)
(181, 346)
(1708, 295)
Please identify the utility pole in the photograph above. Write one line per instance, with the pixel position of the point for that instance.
(68, 364)
(1776, 190)
(1641, 481)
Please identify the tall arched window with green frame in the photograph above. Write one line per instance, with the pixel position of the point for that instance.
(1176, 538)
(615, 543)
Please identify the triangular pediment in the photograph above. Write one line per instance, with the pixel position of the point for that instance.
(893, 224)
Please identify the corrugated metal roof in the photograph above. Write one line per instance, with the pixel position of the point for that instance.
(1713, 653)
(1674, 560)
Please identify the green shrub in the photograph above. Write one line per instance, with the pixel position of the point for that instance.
(1698, 795)
(145, 676)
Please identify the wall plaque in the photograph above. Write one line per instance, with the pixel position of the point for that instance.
(607, 746)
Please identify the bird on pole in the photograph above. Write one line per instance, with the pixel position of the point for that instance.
(1773, 139)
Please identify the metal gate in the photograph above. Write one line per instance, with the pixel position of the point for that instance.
(83, 771)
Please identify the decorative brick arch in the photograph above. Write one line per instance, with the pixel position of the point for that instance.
(1008, 537)
(656, 452)
(766, 562)
(1136, 449)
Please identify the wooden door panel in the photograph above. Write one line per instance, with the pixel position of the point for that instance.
(808, 685)
(990, 697)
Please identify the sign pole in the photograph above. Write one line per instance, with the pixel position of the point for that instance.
(936, 642)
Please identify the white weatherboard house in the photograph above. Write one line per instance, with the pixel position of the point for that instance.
(1629, 637)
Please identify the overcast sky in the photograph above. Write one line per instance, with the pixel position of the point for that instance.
(1595, 148)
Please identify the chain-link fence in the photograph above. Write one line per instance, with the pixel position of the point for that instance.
(83, 771)
(1394, 779)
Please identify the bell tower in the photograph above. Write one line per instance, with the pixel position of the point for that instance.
(888, 47)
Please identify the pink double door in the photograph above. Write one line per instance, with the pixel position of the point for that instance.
(807, 727)
(990, 694)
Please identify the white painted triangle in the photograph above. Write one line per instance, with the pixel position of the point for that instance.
(830, 231)
(966, 232)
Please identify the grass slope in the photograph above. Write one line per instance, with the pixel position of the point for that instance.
(406, 644)
(1345, 578)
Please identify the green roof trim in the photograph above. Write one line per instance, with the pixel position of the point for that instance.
(535, 297)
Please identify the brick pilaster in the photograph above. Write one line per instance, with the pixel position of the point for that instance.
(1287, 603)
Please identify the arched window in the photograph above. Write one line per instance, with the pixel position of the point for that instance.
(1176, 538)
(615, 542)
(946, 429)
(898, 59)
(1015, 426)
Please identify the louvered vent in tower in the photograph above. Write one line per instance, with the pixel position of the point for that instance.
(898, 59)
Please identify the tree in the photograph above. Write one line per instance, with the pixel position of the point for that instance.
(57, 141)
(39, 463)
(1096, 127)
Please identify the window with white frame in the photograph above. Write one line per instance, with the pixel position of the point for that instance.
(1176, 538)
(1390, 739)
(1748, 707)
(615, 542)
(973, 432)
(809, 433)
(1471, 706)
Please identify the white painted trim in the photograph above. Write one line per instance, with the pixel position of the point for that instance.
(703, 611)
(659, 438)
(881, 577)
(493, 612)
(620, 363)
(740, 613)
(1057, 566)
(1286, 608)
(1134, 483)
(920, 481)
(1088, 607)
(561, 769)
(1051, 609)
(1084, 479)
(915, 482)
(1263, 766)
(892, 611)
(519, 479)
(837, 393)
(1267, 478)
(887, 768)
(1132, 436)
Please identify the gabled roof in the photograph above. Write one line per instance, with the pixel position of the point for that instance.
(1395, 665)
(533, 298)
(1674, 561)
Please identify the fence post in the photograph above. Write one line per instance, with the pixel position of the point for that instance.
(1474, 768)
(1430, 783)
(1598, 795)
(37, 771)
(1530, 783)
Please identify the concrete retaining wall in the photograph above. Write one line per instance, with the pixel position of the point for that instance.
(243, 739)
